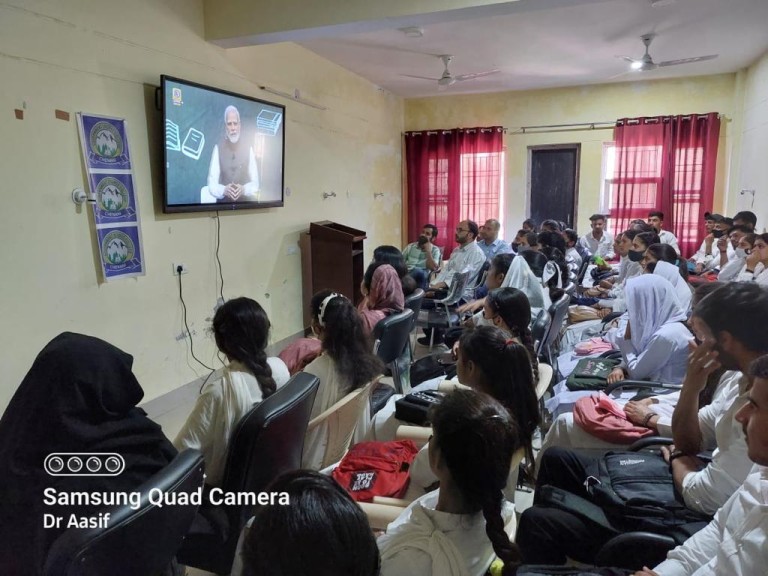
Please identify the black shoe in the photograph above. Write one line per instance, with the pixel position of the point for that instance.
(424, 341)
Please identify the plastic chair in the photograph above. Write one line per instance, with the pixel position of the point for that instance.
(558, 312)
(341, 420)
(266, 442)
(135, 542)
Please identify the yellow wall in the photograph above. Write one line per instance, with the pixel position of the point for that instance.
(752, 171)
(106, 58)
(573, 105)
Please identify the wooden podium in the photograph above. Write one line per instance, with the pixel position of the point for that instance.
(331, 257)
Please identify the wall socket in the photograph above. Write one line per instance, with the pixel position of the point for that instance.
(175, 268)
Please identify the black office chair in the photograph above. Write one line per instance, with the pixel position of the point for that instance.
(266, 442)
(392, 341)
(539, 329)
(413, 301)
(139, 542)
(558, 312)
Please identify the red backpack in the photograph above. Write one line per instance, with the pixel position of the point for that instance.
(376, 469)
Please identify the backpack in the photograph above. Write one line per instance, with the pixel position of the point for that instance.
(430, 367)
(591, 374)
(414, 407)
(376, 469)
(631, 491)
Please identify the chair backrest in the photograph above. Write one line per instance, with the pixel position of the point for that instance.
(583, 271)
(268, 441)
(545, 379)
(539, 330)
(481, 274)
(391, 335)
(413, 301)
(458, 284)
(134, 542)
(341, 419)
(558, 312)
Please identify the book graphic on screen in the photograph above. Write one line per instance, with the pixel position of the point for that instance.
(268, 122)
(172, 140)
(193, 144)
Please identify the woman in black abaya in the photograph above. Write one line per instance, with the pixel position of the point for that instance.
(79, 396)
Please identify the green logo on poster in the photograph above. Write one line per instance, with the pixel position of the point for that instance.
(105, 140)
(111, 195)
(117, 247)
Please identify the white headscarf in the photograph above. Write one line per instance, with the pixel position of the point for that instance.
(671, 273)
(652, 302)
(521, 276)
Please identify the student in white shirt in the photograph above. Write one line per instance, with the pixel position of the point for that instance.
(456, 530)
(598, 241)
(734, 543)
(708, 255)
(731, 264)
(656, 219)
(756, 264)
(241, 331)
(468, 256)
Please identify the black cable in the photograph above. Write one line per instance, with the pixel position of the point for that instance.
(189, 333)
(218, 260)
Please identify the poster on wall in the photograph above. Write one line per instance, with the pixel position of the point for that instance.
(107, 157)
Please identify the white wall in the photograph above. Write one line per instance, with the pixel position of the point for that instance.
(753, 168)
(106, 57)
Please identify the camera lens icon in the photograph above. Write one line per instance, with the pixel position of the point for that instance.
(84, 464)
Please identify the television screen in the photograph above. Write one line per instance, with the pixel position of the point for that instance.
(223, 151)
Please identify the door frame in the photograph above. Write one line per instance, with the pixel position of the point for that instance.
(531, 149)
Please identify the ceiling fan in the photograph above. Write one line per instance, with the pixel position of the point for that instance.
(448, 79)
(646, 63)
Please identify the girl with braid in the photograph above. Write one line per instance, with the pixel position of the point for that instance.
(241, 330)
(457, 530)
(491, 362)
(509, 309)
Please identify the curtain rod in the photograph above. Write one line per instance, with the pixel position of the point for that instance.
(567, 127)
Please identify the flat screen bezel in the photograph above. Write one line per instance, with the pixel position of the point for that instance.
(222, 206)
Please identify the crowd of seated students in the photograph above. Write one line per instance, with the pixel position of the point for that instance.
(459, 528)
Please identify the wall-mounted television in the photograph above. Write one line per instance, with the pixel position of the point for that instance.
(223, 151)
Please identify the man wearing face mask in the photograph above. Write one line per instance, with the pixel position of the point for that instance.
(741, 240)
(708, 255)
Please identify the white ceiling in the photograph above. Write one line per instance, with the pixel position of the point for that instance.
(560, 46)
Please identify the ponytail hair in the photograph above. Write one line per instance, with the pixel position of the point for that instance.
(241, 330)
(506, 375)
(514, 308)
(344, 339)
(476, 438)
(666, 253)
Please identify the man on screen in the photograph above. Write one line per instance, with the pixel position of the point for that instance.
(232, 175)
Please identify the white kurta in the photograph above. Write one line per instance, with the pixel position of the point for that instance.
(734, 543)
(217, 411)
(423, 541)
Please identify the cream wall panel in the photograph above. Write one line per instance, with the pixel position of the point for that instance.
(106, 58)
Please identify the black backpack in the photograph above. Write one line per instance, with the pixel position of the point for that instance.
(631, 491)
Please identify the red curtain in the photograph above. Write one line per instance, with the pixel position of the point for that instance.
(666, 164)
(452, 175)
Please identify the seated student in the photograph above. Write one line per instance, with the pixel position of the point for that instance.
(548, 535)
(657, 261)
(756, 263)
(467, 256)
(573, 250)
(422, 257)
(456, 530)
(654, 413)
(598, 242)
(79, 396)
(382, 294)
(346, 363)
(550, 226)
(745, 218)
(322, 532)
(550, 268)
(529, 225)
(241, 331)
(742, 248)
(552, 239)
(635, 254)
(488, 239)
(392, 256)
(656, 219)
(509, 309)
(613, 287)
(491, 362)
(707, 257)
(735, 541)
(496, 274)
(529, 242)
